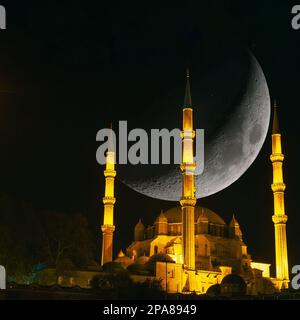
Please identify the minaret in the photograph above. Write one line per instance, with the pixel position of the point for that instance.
(188, 199)
(279, 218)
(109, 200)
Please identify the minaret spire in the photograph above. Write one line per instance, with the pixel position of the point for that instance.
(109, 200)
(188, 199)
(188, 97)
(279, 218)
(275, 128)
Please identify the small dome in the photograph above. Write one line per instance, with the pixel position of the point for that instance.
(161, 257)
(233, 279)
(233, 284)
(139, 225)
(123, 260)
(214, 290)
(121, 254)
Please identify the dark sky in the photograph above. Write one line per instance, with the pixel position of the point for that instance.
(69, 69)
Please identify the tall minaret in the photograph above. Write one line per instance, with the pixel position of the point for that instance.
(188, 199)
(279, 218)
(109, 200)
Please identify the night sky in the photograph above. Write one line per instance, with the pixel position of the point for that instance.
(68, 70)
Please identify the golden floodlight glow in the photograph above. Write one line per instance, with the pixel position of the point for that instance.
(188, 199)
(109, 200)
(279, 218)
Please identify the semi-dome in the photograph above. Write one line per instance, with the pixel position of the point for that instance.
(174, 215)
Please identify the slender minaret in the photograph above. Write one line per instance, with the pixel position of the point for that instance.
(279, 218)
(109, 200)
(188, 199)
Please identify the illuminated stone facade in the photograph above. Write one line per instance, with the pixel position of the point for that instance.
(219, 251)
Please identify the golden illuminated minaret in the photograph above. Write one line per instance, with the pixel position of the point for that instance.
(279, 218)
(188, 199)
(109, 200)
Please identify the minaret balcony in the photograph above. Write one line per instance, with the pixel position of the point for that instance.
(110, 173)
(108, 228)
(188, 134)
(188, 201)
(188, 168)
(277, 157)
(279, 218)
(109, 200)
(278, 187)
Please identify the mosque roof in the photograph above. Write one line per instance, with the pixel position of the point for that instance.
(160, 257)
(174, 215)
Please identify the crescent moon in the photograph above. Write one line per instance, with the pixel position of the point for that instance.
(229, 152)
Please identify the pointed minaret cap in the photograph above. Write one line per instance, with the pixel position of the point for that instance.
(233, 222)
(275, 128)
(121, 254)
(202, 217)
(140, 224)
(162, 217)
(111, 142)
(188, 97)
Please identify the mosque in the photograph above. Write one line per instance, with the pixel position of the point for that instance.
(190, 248)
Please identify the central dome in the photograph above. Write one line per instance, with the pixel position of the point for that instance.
(174, 215)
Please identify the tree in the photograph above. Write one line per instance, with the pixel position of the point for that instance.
(66, 241)
(118, 284)
(14, 255)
